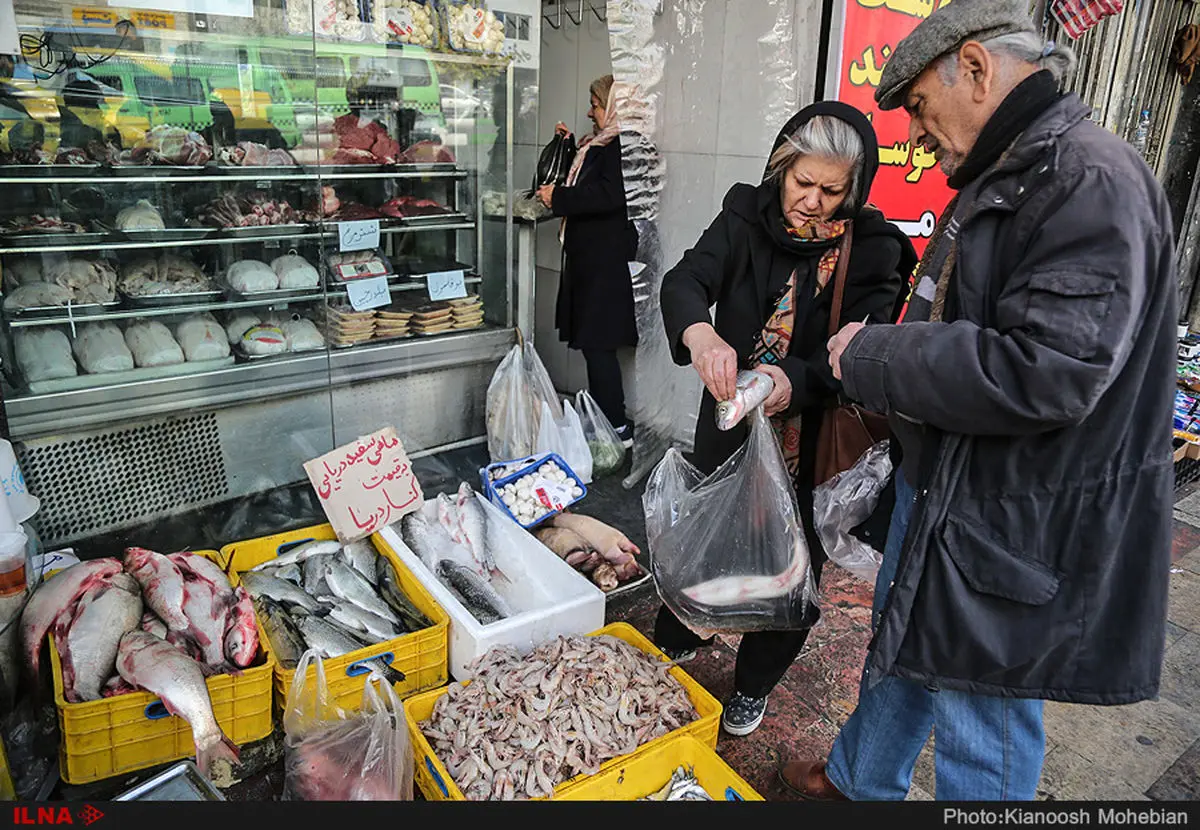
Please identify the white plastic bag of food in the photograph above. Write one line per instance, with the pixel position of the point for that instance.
(152, 344)
(251, 275)
(264, 340)
(608, 453)
(728, 551)
(239, 323)
(43, 354)
(140, 216)
(515, 395)
(565, 436)
(302, 334)
(100, 348)
(202, 338)
(295, 272)
(846, 501)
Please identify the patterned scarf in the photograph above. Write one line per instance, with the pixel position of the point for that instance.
(775, 339)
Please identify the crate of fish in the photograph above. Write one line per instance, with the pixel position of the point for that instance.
(357, 604)
(531, 490)
(550, 718)
(682, 769)
(499, 584)
(154, 658)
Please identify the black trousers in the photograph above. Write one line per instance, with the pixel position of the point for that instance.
(605, 385)
(763, 657)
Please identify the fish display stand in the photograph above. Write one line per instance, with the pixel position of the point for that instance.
(115, 735)
(420, 655)
(435, 783)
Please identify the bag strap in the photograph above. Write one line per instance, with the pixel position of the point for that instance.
(839, 280)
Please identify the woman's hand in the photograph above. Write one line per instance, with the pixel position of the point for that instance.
(545, 195)
(715, 360)
(561, 129)
(781, 396)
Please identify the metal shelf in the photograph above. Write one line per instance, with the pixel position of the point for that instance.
(245, 174)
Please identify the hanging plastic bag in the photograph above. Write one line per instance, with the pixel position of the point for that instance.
(608, 453)
(728, 551)
(515, 395)
(846, 501)
(334, 755)
(565, 436)
(555, 161)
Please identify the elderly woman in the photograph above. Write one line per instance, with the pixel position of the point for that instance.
(767, 263)
(595, 294)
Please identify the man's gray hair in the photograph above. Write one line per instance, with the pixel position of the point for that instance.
(826, 137)
(1023, 46)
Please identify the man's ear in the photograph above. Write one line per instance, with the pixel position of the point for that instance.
(980, 68)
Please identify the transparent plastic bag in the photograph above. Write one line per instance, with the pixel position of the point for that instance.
(515, 395)
(608, 453)
(468, 26)
(331, 754)
(565, 436)
(728, 551)
(846, 501)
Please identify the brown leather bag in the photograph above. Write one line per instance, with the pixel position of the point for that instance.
(847, 429)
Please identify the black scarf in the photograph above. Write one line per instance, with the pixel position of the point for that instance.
(1028, 100)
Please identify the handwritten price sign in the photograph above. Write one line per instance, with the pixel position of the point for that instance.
(366, 485)
(358, 236)
(446, 285)
(368, 293)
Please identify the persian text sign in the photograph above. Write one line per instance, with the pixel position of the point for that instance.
(909, 188)
(366, 485)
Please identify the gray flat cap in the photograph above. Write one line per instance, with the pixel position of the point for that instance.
(945, 30)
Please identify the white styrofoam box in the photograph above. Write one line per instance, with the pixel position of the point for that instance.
(561, 600)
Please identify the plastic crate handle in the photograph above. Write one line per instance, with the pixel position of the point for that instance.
(157, 711)
(732, 795)
(436, 777)
(284, 547)
(355, 669)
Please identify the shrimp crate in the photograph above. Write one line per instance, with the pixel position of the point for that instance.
(420, 655)
(435, 783)
(116, 735)
(550, 597)
(555, 497)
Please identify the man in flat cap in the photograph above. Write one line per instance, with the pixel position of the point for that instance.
(1031, 389)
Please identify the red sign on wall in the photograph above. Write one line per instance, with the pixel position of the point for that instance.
(910, 188)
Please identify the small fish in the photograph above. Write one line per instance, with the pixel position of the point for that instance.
(472, 524)
(283, 635)
(752, 389)
(376, 628)
(360, 637)
(241, 630)
(476, 595)
(280, 590)
(389, 589)
(300, 553)
(325, 638)
(361, 556)
(735, 590)
(292, 573)
(314, 576)
(346, 583)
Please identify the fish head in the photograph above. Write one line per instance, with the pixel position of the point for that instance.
(241, 643)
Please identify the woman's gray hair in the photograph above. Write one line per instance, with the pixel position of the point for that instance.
(1023, 46)
(826, 137)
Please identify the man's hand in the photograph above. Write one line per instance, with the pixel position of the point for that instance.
(839, 343)
(781, 396)
(714, 359)
(545, 195)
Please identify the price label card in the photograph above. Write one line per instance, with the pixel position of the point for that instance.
(446, 285)
(368, 293)
(358, 236)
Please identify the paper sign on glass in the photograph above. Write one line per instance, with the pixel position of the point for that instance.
(446, 285)
(366, 485)
(368, 293)
(358, 236)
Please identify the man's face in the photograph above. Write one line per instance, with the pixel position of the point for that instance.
(947, 120)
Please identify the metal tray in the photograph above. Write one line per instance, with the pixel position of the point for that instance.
(46, 239)
(45, 171)
(50, 311)
(165, 235)
(151, 170)
(187, 298)
(182, 782)
(263, 230)
(434, 218)
(251, 170)
(279, 294)
(631, 584)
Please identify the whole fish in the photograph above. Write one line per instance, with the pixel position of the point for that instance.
(58, 595)
(424, 538)
(472, 525)
(361, 638)
(752, 389)
(314, 576)
(361, 556)
(207, 613)
(348, 584)
(476, 595)
(299, 553)
(683, 786)
(149, 663)
(241, 630)
(284, 637)
(280, 590)
(735, 590)
(389, 590)
(162, 585)
(375, 627)
(330, 642)
(89, 648)
(198, 567)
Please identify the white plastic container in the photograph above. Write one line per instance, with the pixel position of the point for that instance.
(569, 602)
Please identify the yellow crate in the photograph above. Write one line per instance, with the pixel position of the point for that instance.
(435, 782)
(421, 655)
(643, 773)
(115, 735)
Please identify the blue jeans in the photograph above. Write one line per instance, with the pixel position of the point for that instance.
(985, 749)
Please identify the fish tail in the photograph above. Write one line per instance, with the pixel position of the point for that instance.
(222, 749)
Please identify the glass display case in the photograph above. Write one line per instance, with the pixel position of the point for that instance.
(229, 243)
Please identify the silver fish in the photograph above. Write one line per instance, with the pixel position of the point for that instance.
(90, 650)
(314, 576)
(683, 786)
(389, 590)
(424, 538)
(752, 389)
(361, 556)
(285, 638)
(299, 554)
(326, 639)
(476, 595)
(280, 590)
(472, 525)
(291, 573)
(348, 584)
(374, 627)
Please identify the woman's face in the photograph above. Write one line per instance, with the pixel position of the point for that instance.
(597, 114)
(814, 188)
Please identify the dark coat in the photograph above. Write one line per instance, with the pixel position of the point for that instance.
(595, 293)
(733, 264)
(1037, 558)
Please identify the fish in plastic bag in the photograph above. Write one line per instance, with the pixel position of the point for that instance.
(846, 501)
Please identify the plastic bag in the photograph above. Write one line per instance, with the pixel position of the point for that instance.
(334, 755)
(608, 453)
(468, 26)
(555, 161)
(515, 395)
(727, 551)
(846, 501)
(565, 436)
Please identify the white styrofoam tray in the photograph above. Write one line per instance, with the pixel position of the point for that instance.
(561, 600)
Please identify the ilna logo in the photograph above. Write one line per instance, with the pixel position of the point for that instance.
(86, 816)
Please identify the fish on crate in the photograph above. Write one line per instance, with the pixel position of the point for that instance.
(58, 596)
(346, 583)
(283, 635)
(280, 590)
(389, 589)
(162, 585)
(683, 786)
(329, 642)
(299, 553)
(475, 594)
(89, 640)
(361, 556)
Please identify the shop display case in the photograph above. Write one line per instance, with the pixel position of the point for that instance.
(178, 264)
